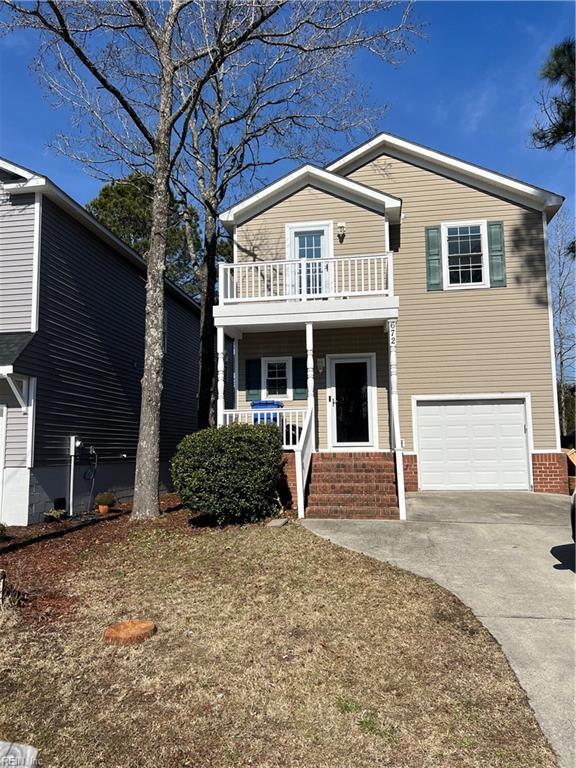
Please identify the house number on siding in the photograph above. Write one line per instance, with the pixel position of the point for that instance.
(392, 328)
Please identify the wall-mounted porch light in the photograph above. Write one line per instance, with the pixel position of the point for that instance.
(320, 364)
(341, 231)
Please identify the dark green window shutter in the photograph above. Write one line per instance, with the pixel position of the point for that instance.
(253, 379)
(496, 254)
(433, 259)
(299, 378)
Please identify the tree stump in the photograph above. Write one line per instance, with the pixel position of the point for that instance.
(130, 632)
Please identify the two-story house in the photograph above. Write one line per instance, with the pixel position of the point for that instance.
(396, 306)
(72, 311)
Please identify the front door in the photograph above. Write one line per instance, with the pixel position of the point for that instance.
(351, 396)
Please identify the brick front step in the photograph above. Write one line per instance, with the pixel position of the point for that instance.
(356, 513)
(342, 488)
(370, 475)
(353, 485)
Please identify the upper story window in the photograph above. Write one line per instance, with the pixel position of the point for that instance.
(277, 378)
(465, 255)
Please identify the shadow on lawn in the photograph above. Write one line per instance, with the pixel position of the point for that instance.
(203, 521)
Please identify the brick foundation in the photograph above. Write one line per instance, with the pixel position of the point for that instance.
(550, 472)
(411, 473)
(287, 491)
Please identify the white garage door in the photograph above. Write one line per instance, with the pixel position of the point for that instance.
(472, 444)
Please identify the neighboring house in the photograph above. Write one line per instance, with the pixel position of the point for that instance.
(72, 309)
(397, 303)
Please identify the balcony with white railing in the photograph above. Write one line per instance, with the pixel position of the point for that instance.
(306, 279)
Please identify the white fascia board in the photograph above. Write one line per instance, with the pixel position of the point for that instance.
(364, 311)
(6, 370)
(6, 165)
(325, 180)
(541, 199)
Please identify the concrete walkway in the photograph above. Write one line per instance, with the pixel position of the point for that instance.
(509, 556)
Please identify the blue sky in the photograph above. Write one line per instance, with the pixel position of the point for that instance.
(468, 89)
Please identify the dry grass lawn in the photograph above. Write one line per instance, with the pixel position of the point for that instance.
(274, 649)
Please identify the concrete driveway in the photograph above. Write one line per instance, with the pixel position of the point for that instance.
(509, 556)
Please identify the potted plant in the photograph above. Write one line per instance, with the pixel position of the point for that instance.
(54, 515)
(104, 501)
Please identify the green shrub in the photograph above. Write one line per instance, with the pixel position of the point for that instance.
(3, 531)
(105, 499)
(230, 474)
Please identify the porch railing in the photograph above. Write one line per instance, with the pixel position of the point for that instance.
(303, 458)
(289, 420)
(306, 279)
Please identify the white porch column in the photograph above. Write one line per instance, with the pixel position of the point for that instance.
(310, 363)
(220, 369)
(395, 420)
(310, 373)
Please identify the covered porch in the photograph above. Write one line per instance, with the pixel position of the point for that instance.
(332, 389)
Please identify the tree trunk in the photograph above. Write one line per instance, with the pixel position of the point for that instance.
(207, 333)
(148, 454)
(562, 401)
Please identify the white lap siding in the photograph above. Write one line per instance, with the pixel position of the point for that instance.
(15, 473)
(16, 262)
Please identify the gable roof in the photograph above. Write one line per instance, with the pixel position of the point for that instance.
(452, 167)
(17, 180)
(12, 345)
(311, 176)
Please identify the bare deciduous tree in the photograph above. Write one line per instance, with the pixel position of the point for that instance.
(563, 288)
(285, 97)
(116, 64)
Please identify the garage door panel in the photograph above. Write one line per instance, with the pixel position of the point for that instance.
(473, 444)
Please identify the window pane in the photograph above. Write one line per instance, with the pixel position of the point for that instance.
(309, 244)
(276, 378)
(464, 255)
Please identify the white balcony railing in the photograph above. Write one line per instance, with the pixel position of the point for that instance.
(306, 279)
(289, 420)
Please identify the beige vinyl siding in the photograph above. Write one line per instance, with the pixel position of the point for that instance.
(16, 428)
(326, 342)
(474, 340)
(16, 261)
(263, 238)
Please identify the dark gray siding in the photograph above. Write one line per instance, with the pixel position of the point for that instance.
(88, 352)
(16, 261)
(179, 397)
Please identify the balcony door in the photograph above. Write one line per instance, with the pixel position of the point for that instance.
(351, 401)
(309, 244)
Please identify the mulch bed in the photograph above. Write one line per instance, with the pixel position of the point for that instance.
(18, 536)
(41, 555)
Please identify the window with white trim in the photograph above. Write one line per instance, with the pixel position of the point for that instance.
(277, 378)
(307, 243)
(465, 254)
